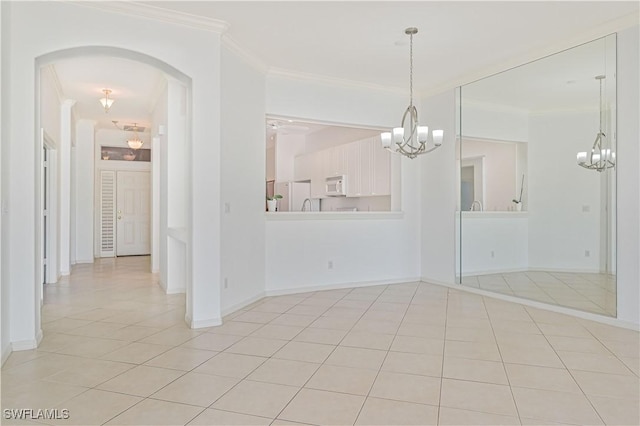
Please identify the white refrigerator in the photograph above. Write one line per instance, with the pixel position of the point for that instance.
(293, 196)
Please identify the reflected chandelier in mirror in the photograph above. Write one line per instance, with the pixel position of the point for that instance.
(518, 133)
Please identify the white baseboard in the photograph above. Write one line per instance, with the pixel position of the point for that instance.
(209, 322)
(24, 345)
(244, 303)
(339, 286)
(540, 305)
(528, 269)
(5, 353)
(179, 290)
(84, 260)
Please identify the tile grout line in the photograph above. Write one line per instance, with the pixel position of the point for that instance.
(567, 369)
(387, 351)
(504, 367)
(334, 349)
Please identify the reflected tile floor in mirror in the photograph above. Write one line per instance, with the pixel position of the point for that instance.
(594, 293)
(116, 351)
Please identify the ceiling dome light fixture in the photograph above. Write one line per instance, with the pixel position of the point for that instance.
(411, 139)
(106, 101)
(136, 142)
(600, 158)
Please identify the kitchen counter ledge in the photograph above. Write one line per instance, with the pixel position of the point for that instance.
(274, 216)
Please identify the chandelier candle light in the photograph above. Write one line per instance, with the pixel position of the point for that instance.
(415, 143)
(600, 158)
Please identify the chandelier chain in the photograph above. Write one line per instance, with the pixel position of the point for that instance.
(410, 69)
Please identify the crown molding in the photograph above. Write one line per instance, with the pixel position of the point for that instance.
(135, 9)
(245, 54)
(333, 81)
(605, 29)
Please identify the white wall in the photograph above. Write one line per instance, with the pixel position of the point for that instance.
(333, 136)
(493, 242)
(159, 117)
(494, 122)
(362, 250)
(439, 193)
(559, 230)
(5, 317)
(84, 191)
(242, 178)
(628, 270)
(40, 28)
(315, 101)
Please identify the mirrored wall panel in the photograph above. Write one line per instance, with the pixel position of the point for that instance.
(537, 177)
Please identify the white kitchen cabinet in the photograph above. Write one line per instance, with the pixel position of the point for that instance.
(353, 169)
(366, 167)
(336, 161)
(317, 166)
(365, 164)
(381, 175)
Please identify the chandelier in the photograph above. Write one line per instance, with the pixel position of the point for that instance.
(106, 101)
(599, 158)
(135, 142)
(410, 139)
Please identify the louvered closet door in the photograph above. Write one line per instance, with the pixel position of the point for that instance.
(133, 218)
(107, 213)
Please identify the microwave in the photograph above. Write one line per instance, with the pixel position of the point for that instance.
(336, 186)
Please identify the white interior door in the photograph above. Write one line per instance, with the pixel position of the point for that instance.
(133, 202)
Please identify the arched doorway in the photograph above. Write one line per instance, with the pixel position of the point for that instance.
(171, 182)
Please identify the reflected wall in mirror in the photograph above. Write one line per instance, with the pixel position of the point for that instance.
(531, 222)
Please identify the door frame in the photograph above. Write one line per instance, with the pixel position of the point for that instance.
(51, 237)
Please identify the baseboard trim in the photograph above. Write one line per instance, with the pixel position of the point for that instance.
(210, 322)
(511, 270)
(84, 261)
(5, 353)
(540, 305)
(24, 345)
(243, 304)
(339, 286)
(175, 290)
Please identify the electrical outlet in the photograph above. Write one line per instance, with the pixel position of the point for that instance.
(586, 209)
(330, 264)
(226, 283)
(493, 254)
(587, 253)
(227, 207)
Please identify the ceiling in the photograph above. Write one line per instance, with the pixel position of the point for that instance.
(134, 87)
(364, 41)
(357, 41)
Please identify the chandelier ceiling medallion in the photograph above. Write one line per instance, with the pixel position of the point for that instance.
(410, 139)
(106, 101)
(601, 157)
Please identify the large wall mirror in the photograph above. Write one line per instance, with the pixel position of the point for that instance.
(536, 214)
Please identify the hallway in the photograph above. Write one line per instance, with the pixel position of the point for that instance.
(116, 350)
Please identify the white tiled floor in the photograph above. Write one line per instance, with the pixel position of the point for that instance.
(587, 292)
(116, 351)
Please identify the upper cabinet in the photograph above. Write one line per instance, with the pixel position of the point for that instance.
(365, 164)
